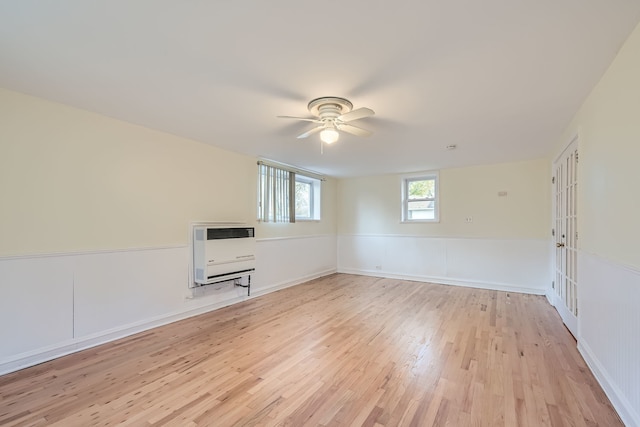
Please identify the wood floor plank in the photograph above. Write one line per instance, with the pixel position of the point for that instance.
(337, 351)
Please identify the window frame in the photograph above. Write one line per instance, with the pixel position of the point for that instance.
(272, 182)
(422, 176)
(314, 197)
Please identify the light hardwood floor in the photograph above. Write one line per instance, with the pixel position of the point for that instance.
(342, 350)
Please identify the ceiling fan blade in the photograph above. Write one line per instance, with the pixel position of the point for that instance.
(310, 132)
(356, 114)
(354, 130)
(306, 119)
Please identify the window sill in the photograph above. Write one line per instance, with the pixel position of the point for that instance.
(419, 221)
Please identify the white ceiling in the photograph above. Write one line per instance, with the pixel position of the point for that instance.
(501, 79)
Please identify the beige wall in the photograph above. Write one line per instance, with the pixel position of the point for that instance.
(608, 124)
(71, 180)
(371, 205)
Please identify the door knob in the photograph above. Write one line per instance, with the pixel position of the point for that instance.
(559, 245)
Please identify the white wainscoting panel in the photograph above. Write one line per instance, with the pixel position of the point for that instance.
(58, 304)
(519, 265)
(36, 303)
(283, 262)
(609, 330)
(122, 288)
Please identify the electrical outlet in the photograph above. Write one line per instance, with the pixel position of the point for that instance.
(378, 267)
(468, 219)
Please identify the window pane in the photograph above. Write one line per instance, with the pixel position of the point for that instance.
(421, 210)
(421, 189)
(303, 199)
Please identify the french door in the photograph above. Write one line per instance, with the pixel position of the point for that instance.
(566, 235)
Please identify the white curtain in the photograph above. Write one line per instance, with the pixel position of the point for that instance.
(276, 189)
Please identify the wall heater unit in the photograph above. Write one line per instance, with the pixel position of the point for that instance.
(221, 254)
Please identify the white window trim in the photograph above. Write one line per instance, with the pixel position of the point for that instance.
(404, 205)
(315, 202)
(296, 173)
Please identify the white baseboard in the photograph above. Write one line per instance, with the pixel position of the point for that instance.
(446, 281)
(46, 354)
(549, 293)
(627, 414)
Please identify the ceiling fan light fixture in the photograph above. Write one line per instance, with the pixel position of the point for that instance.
(329, 136)
(333, 115)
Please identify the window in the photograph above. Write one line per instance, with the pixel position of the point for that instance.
(307, 197)
(286, 194)
(420, 198)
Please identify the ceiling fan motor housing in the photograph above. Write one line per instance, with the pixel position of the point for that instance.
(333, 114)
(329, 107)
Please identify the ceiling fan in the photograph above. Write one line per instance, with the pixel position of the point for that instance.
(333, 114)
